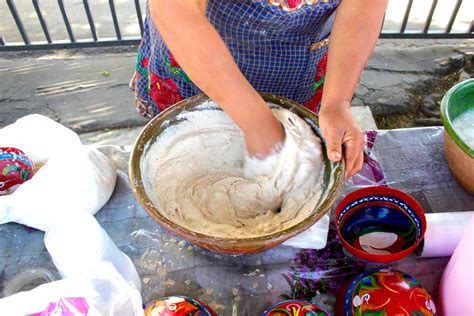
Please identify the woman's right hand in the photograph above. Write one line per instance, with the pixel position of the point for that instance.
(263, 139)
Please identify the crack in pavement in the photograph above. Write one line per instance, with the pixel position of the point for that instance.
(410, 72)
(12, 100)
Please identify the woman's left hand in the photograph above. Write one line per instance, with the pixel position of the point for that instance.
(342, 132)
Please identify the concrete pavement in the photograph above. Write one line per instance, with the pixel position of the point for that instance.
(87, 90)
(84, 90)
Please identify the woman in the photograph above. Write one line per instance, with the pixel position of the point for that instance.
(230, 49)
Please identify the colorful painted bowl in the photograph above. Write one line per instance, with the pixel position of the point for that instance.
(178, 306)
(333, 182)
(15, 169)
(295, 308)
(380, 224)
(459, 155)
(384, 292)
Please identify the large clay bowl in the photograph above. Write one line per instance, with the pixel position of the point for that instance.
(333, 182)
(459, 155)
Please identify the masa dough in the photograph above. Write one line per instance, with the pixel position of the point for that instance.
(464, 127)
(199, 175)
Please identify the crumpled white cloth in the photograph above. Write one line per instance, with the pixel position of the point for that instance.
(39, 137)
(74, 177)
(61, 198)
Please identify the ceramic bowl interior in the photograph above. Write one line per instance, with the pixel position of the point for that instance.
(380, 224)
(455, 102)
(333, 182)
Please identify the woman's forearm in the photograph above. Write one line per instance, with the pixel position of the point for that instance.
(205, 58)
(355, 32)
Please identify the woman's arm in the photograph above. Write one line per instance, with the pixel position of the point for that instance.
(355, 32)
(204, 57)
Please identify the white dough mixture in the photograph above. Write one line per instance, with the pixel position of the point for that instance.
(464, 127)
(199, 175)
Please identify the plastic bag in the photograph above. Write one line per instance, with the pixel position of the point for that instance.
(79, 243)
(314, 237)
(38, 136)
(61, 198)
(74, 178)
(99, 291)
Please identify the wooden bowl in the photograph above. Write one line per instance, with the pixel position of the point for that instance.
(333, 182)
(459, 155)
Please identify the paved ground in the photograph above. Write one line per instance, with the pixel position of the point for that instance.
(87, 91)
(401, 71)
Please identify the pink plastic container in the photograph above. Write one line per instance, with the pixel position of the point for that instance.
(457, 282)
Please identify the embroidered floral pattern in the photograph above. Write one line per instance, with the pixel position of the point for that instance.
(175, 68)
(164, 92)
(142, 65)
(292, 5)
(315, 102)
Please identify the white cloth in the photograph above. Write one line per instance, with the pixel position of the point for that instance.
(75, 182)
(74, 177)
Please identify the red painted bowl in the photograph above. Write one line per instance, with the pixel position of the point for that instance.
(295, 308)
(178, 306)
(15, 169)
(384, 292)
(380, 224)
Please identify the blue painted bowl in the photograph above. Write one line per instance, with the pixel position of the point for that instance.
(380, 224)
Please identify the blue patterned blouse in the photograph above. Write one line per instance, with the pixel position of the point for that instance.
(279, 45)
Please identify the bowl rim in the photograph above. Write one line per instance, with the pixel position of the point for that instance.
(446, 119)
(204, 307)
(139, 192)
(293, 300)
(383, 191)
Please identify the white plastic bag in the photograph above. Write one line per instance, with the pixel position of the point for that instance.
(80, 179)
(314, 237)
(61, 198)
(97, 292)
(38, 136)
(74, 178)
(79, 243)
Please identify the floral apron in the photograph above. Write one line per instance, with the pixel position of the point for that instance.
(279, 45)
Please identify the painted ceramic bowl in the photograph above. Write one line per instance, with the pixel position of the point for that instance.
(380, 224)
(459, 155)
(178, 306)
(15, 169)
(295, 308)
(384, 292)
(332, 184)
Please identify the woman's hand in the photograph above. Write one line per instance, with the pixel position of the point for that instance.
(342, 132)
(263, 139)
